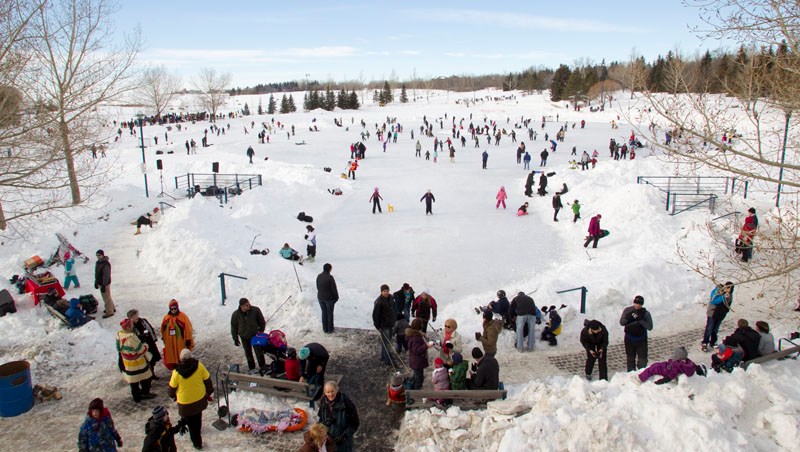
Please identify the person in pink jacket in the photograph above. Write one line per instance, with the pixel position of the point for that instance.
(501, 198)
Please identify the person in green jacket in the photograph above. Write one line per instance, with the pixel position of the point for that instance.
(576, 210)
(458, 373)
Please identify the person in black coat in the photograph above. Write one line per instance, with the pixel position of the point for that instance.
(429, 200)
(542, 185)
(160, 433)
(327, 296)
(486, 371)
(313, 363)
(246, 322)
(340, 415)
(594, 338)
(557, 206)
(746, 338)
(529, 184)
(102, 281)
(384, 318)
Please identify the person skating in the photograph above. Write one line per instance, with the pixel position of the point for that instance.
(133, 362)
(419, 149)
(594, 338)
(501, 197)
(176, 331)
(429, 200)
(246, 322)
(97, 433)
(484, 159)
(102, 281)
(327, 296)
(637, 322)
(250, 153)
(376, 199)
(190, 386)
(557, 205)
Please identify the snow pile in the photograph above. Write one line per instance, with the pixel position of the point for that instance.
(753, 410)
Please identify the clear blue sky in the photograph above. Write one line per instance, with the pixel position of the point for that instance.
(264, 41)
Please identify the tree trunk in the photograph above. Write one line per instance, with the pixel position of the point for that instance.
(3, 224)
(69, 159)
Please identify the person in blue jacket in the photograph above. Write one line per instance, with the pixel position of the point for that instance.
(75, 315)
(719, 304)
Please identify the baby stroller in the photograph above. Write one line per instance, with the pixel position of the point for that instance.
(272, 345)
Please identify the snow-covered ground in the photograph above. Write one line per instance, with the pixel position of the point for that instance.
(462, 255)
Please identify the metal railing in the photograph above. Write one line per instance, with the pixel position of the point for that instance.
(686, 193)
(215, 184)
(690, 201)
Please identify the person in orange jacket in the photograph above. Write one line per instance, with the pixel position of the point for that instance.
(176, 330)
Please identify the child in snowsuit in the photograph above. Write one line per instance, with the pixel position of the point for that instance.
(75, 315)
(553, 327)
(97, 431)
(458, 373)
(69, 271)
(292, 365)
(680, 364)
(576, 211)
(523, 210)
(501, 198)
(726, 358)
(376, 199)
(396, 390)
(440, 378)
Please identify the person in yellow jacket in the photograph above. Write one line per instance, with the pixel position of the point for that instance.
(190, 385)
(176, 330)
(134, 362)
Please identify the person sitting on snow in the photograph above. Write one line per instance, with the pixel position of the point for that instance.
(680, 364)
(289, 253)
(523, 210)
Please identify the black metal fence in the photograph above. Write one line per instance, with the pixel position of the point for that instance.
(215, 184)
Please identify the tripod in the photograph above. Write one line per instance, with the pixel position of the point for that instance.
(163, 193)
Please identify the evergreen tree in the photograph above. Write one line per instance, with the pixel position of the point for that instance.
(290, 103)
(343, 100)
(559, 82)
(271, 105)
(354, 104)
(305, 102)
(284, 104)
(260, 108)
(330, 100)
(246, 110)
(387, 93)
(574, 87)
(403, 94)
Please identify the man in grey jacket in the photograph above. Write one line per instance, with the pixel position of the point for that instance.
(637, 322)
(246, 322)
(327, 296)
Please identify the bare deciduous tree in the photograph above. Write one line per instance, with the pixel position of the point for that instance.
(77, 69)
(157, 88)
(213, 89)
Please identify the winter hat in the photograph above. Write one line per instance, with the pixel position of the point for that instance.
(67, 255)
(186, 354)
(396, 380)
(488, 315)
(680, 353)
(155, 210)
(722, 347)
(96, 404)
(376, 188)
(173, 303)
(160, 412)
(100, 253)
(303, 353)
(438, 362)
(593, 325)
(457, 358)
(477, 353)
(384, 287)
(126, 324)
(638, 299)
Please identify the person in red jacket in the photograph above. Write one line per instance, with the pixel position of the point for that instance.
(594, 231)
(747, 234)
(292, 365)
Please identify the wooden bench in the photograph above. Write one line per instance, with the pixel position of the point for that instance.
(780, 354)
(465, 399)
(274, 386)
